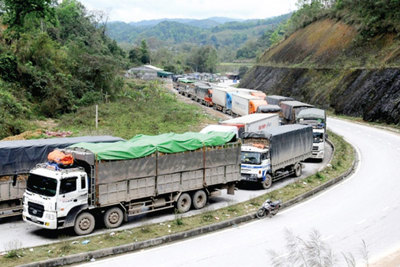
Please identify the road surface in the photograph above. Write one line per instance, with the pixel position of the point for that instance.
(365, 207)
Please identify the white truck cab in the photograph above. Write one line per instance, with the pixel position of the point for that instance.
(256, 165)
(54, 196)
(318, 151)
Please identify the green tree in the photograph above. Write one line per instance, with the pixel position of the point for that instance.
(203, 59)
(145, 54)
(16, 12)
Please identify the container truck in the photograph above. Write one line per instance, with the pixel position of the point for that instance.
(275, 153)
(18, 157)
(253, 123)
(147, 173)
(222, 98)
(317, 119)
(290, 109)
(277, 99)
(244, 104)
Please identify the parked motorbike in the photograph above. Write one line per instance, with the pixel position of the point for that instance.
(268, 208)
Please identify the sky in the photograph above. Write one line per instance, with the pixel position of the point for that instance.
(137, 10)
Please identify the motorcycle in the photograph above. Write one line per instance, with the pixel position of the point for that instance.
(268, 208)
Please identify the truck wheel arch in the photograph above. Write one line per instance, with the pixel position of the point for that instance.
(72, 214)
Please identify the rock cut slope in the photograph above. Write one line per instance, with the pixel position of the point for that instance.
(329, 65)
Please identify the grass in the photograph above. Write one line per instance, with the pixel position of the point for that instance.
(342, 161)
(141, 108)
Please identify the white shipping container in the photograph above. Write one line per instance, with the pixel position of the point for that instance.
(241, 103)
(256, 122)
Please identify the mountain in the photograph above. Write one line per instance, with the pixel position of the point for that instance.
(216, 31)
(330, 64)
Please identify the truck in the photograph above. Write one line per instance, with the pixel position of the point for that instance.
(317, 119)
(245, 104)
(222, 98)
(203, 94)
(290, 109)
(18, 157)
(111, 182)
(277, 99)
(275, 153)
(184, 85)
(252, 92)
(253, 123)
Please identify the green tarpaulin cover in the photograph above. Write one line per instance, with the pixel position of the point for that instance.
(144, 145)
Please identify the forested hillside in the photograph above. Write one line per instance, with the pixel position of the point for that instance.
(339, 54)
(54, 59)
(180, 35)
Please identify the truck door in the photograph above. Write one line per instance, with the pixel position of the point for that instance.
(73, 192)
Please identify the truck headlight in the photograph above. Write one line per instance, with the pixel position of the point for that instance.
(50, 216)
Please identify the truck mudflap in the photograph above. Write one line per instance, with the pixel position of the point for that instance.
(71, 216)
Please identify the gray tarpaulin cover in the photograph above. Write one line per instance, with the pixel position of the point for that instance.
(286, 142)
(268, 109)
(18, 157)
(288, 107)
(312, 113)
(276, 99)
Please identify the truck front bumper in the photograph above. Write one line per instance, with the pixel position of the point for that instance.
(317, 154)
(250, 177)
(48, 220)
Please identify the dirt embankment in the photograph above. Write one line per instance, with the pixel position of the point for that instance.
(326, 64)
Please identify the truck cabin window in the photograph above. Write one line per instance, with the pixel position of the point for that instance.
(41, 185)
(318, 137)
(250, 157)
(68, 185)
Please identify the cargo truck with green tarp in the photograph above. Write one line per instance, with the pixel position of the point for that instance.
(141, 175)
(17, 158)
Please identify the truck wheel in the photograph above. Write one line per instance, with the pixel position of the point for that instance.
(298, 169)
(113, 217)
(84, 224)
(267, 182)
(199, 199)
(184, 202)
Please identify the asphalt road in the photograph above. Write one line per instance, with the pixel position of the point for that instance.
(30, 235)
(365, 207)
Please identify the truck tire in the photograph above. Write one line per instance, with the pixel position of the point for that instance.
(298, 170)
(199, 199)
(267, 182)
(84, 223)
(113, 217)
(184, 202)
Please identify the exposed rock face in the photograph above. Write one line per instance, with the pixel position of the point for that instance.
(335, 73)
(372, 94)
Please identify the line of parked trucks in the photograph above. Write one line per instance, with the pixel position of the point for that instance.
(110, 179)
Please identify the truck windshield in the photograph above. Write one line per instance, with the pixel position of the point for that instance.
(250, 157)
(318, 137)
(42, 185)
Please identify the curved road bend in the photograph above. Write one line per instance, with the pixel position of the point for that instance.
(364, 207)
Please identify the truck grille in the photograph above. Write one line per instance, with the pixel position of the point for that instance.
(315, 148)
(35, 209)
